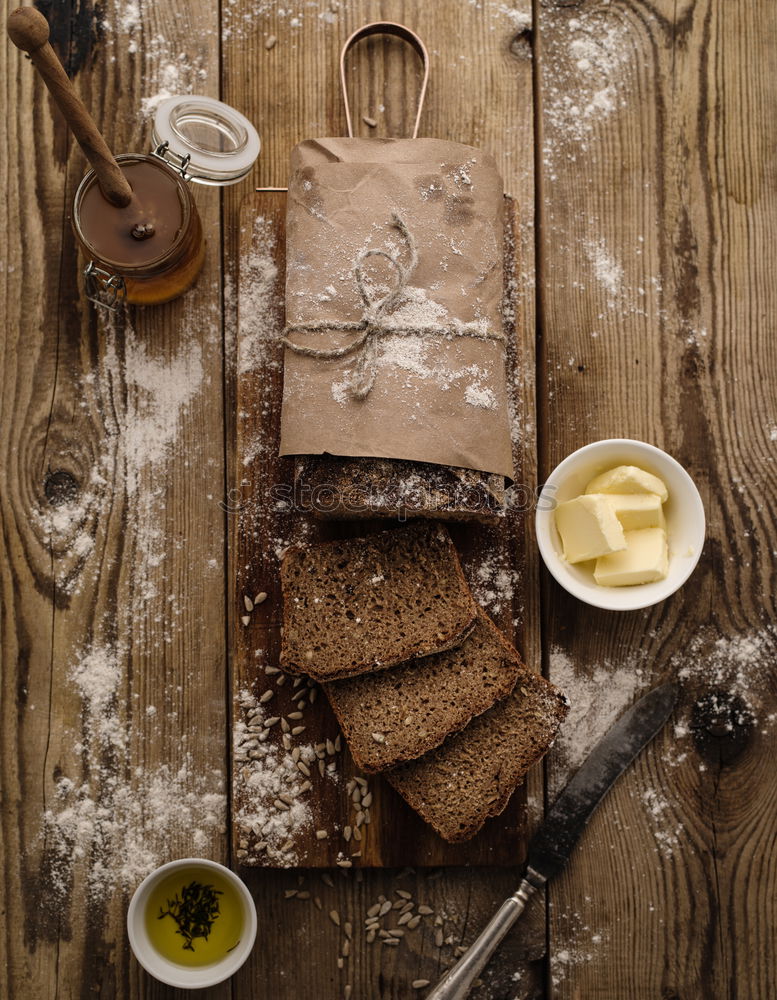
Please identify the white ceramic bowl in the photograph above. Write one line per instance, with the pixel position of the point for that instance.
(171, 973)
(684, 521)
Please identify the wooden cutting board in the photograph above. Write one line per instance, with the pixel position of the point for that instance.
(312, 831)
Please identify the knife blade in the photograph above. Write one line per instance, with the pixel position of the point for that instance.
(552, 844)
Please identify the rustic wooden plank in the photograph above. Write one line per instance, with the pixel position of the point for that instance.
(481, 92)
(657, 200)
(113, 539)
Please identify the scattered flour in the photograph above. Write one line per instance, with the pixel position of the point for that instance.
(598, 697)
(121, 821)
(607, 271)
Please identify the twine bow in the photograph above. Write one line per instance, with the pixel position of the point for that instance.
(373, 325)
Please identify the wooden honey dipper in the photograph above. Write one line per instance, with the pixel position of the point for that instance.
(28, 29)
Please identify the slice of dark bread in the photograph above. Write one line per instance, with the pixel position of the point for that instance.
(456, 787)
(340, 487)
(400, 714)
(363, 604)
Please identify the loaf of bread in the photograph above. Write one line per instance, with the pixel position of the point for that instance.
(332, 487)
(472, 775)
(399, 714)
(364, 604)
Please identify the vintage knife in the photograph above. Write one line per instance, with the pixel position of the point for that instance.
(553, 843)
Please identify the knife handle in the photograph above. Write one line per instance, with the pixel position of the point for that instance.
(458, 980)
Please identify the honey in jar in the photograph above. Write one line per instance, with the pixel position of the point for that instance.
(152, 250)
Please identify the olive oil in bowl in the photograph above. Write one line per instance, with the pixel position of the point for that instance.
(194, 917)
(192, 923)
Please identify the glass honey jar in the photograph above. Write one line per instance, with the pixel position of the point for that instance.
(152, 250)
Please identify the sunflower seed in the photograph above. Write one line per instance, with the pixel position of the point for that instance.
(425, 910)
(374, 910)
(260, 598)
(348, 927)
(330, 748)
(303, 768)
(246, 619)
(248, 603)
(290, 893)
(346, 948)
(385, 907)
(286, 741)
(305, 787)
(297, 730)
(367, 800)
(270, 42)
(419, 984)
(303, 895)
(269, 693)
(321, 769)
(334, 916)
(269, 723)
(403, 919)
(370, 936)
(321, 834)
(294, 715)
(327, 880)
(391, 941)
(280, 804)
(317, 903)
(378, 737)
(285, 726)
(347, 833)
(285, 797)
(403, 893)
(272, 670)
(439, 937)
(369, 122)
(313, 695)
(413, 923)
(281, 680)
(344, 863)
(340, 963)
(398, 932)
(347, 992)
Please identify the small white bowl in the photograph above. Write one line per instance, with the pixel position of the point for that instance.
(684, 513)
(171, 973)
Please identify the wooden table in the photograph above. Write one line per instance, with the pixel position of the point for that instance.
(639, 140)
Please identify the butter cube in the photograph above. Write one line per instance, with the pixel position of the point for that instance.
(588, 528)
(644, 560)
(637, 510)
(627, 479)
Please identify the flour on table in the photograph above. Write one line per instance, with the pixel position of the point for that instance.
(120, 821)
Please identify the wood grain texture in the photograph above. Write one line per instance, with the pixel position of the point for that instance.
(110, 543)
(657, 307)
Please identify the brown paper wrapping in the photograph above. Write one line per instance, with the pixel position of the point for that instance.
(435, 398)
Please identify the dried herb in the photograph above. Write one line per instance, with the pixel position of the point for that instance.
(194, 912)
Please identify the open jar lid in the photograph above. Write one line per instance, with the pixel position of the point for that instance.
(221, 144)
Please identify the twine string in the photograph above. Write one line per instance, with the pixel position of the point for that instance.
(373, 326)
